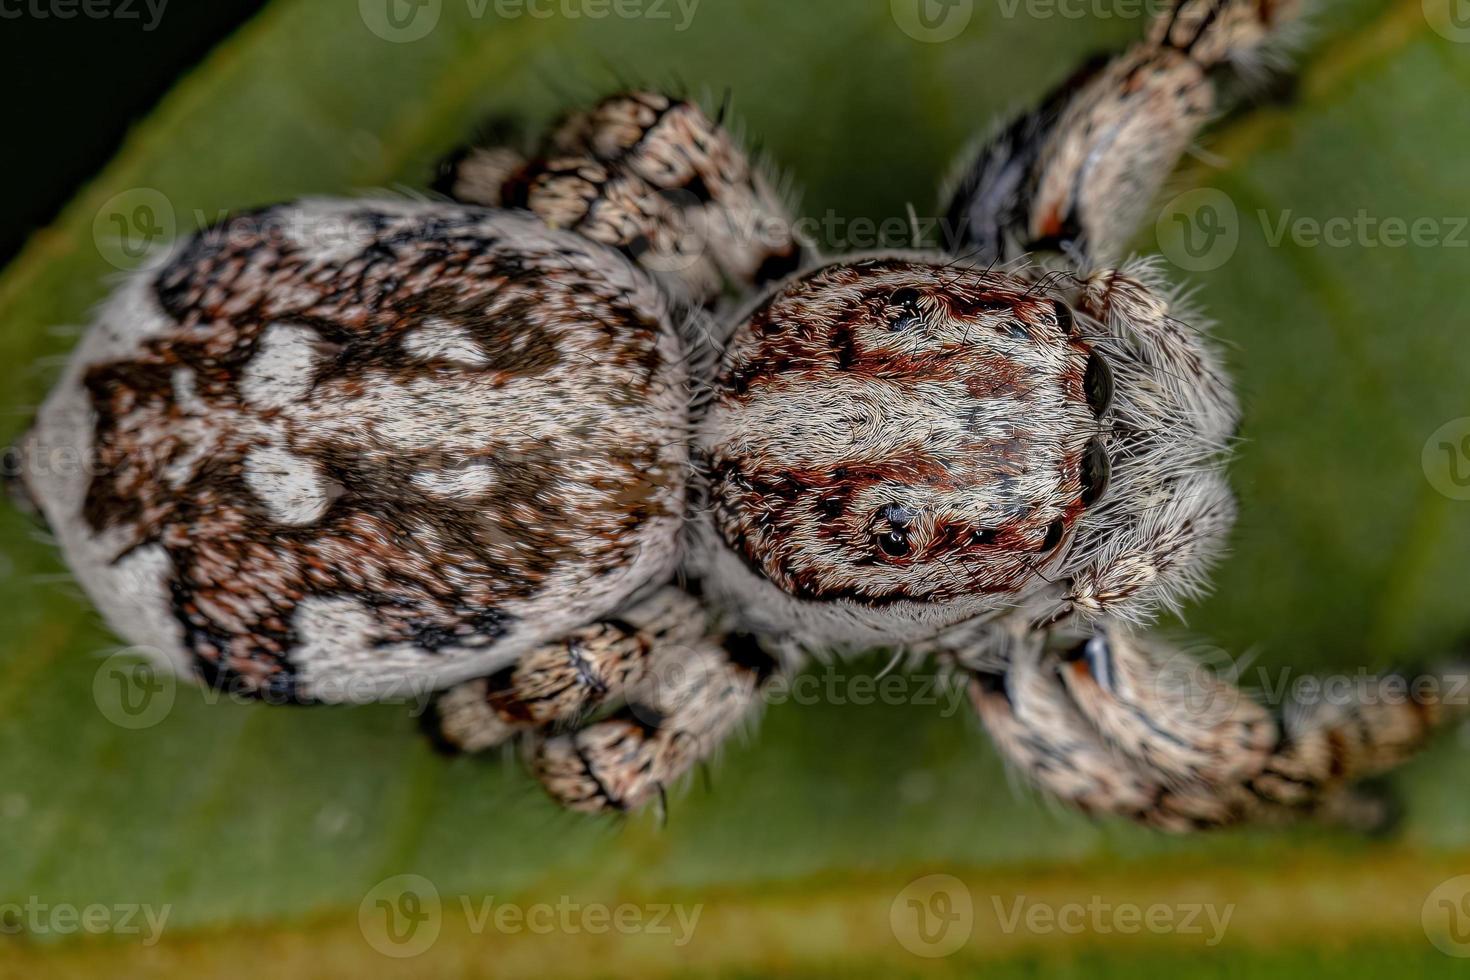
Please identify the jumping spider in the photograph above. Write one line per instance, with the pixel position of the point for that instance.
(523, 449)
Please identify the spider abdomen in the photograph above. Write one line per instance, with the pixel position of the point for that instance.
(343, 449)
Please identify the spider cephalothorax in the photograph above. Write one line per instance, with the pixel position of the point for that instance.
(461, 444)
(889, 431)
(929, 441)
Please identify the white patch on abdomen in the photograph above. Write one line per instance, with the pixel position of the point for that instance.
(281, 370)
(438, 339)
(293, 488)
(339, 661)
(469, 480)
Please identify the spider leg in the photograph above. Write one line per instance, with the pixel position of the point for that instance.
(1039, 729)
(1151, 703)
(654, 177)
(1078, 173)
(678, 715)
(477, 172)
(1188, 749)
(559, 683)
(1162, 709)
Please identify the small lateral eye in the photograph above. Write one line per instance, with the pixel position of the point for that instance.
(1097, 468)
(1054, 532)
(984, 535)
(1066, 322)
(1098, 384)
(908, 315)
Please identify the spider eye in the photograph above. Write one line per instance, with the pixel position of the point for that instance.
(1054, 532)
(895, 544)
(1066, 323)
(908, 314)
(893, 532)
(1096, 470)
(984, 535)
(1098, 383)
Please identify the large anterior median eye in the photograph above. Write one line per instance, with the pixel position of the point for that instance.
(892, 530)
(906, 314)
(895, 544)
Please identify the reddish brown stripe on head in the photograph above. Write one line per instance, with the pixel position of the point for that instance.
(952, 397)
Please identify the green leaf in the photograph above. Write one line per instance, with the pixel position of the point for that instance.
(264, 830)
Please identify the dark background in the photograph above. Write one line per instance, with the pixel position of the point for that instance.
(73, 88)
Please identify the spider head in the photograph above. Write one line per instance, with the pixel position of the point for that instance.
(913, 440)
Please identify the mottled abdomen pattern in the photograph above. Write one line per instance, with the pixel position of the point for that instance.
(337, 450)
